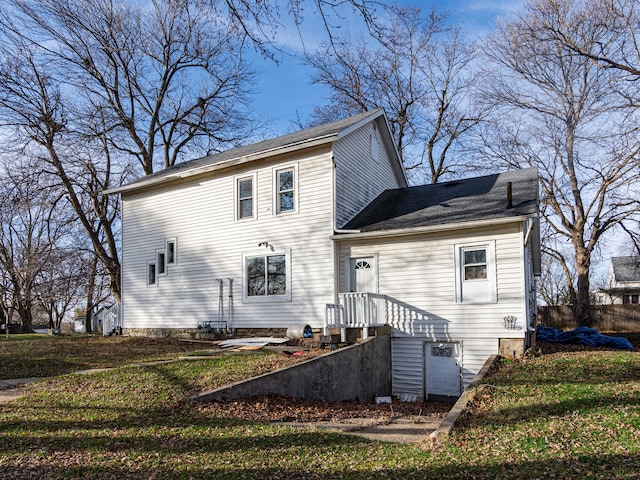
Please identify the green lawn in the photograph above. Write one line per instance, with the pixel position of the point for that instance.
(565, 415)
(38, 355)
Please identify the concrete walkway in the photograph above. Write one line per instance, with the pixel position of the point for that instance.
(11, 389)
(413, 429)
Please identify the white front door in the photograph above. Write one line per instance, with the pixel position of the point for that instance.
(443, 369)
(362, 275)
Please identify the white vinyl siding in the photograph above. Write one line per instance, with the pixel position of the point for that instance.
(359, 179)
(210, 245)
(418, 274)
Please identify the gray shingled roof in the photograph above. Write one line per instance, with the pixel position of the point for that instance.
(329, 132)
(459, 201)
(626, 269)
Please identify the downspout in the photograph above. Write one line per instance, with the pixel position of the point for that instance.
(527, 236)
(530, 224)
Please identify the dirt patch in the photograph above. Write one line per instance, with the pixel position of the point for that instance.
(549, 348)
(275, 408)
(10, 394)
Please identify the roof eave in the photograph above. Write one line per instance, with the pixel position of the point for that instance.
(263, 154)
(432, 228)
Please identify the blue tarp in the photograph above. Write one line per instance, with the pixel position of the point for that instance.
(583, 336)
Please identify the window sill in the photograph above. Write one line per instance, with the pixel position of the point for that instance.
(267, 299)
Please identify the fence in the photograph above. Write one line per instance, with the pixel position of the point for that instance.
(606, 318)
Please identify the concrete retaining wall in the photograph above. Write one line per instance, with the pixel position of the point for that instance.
(360, 371)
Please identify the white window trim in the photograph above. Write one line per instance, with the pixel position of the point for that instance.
(173, 241)
(148, 276)
(491, 281)
(236, 196)
(159, 253)
(276, 192)
(267, 252)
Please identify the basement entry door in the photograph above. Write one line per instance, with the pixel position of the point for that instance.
(443, 370)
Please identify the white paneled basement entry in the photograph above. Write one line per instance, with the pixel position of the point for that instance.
(443, 369)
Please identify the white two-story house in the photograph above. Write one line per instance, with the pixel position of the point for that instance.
(320, 228)
(623, 285)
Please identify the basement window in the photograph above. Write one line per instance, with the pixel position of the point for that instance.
(151, 274)
(171, 251)
(161, 262)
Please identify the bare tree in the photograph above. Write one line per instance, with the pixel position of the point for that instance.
(557, 111)
(45, 127)
(30, 229)
(86, 86)
(617, 23)
(158, 81)
(419, 71)
(553, 284)
(60, 285)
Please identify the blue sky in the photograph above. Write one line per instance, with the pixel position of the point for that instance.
(284, 92)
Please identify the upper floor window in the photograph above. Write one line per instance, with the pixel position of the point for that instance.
(284, 188)
(245, 197)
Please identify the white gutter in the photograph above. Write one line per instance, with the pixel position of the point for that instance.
(427, 229)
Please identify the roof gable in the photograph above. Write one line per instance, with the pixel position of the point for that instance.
(318, 135)
(626, 269)
(460, 201)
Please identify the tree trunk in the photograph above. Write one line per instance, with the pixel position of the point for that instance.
(582, 305)
(91, 283)
(26, 318)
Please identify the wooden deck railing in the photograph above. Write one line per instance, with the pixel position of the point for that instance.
(356, 310)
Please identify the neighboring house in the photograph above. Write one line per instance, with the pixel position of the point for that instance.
(320, 228)
(623, 286)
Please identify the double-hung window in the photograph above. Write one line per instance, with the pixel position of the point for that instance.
(245, 197)
(267, 277)
(476, 273)
(475, 263)
(284, 189)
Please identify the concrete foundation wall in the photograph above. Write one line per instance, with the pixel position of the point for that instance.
(361, 371)
(511, 347)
